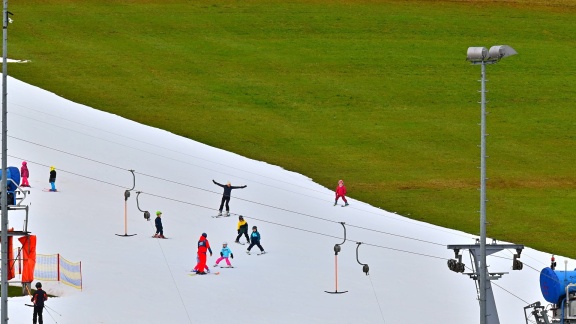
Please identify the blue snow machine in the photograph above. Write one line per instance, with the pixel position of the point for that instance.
(13, 183)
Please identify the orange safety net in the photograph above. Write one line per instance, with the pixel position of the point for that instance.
(28, 257)
(10, 257)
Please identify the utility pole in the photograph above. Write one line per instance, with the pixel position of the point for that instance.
(4, 182)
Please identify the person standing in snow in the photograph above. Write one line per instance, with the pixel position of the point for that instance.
(52, 178)
(203, 247)
(224, 253)
(25, 174)
(38, 300)
(341, 192)
(242, 229)
(158, 223)
(255, 240)
(226, 196)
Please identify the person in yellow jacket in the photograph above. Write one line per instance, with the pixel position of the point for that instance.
(242, 229)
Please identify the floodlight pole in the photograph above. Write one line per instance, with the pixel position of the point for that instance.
(4, 182)
(483, 269)
(482, 56)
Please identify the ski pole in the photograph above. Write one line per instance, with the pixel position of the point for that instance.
(52, 309)
(50, 315)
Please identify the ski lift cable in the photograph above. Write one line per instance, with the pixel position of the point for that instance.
(76, 155)
(214, 192)
(167, 198)
(76, 174)
(186, 162)
(531, 267)
(219, 171)
(147, 143)
(509, 292)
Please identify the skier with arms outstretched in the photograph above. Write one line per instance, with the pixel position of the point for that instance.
(226, 196)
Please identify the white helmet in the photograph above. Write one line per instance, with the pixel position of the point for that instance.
(225, 243)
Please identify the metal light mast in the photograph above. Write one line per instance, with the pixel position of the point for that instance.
(4, 182)
(488, 312)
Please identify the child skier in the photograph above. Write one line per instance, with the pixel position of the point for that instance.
(52, 178)
(242, 229)
(203, 247)
(224, 253)
(159, 227)
(341, 192)
(25, 174)
(255, 240)
(226, 196)
(38, 299)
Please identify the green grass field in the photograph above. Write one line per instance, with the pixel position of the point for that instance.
(377, 93)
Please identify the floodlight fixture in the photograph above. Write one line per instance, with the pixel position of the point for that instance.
(476, 54)
(482, 55)
(499, 52)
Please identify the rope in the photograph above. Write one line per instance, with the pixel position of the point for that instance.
(377, 301)
(174, 281)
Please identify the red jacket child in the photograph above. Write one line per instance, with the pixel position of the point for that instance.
(341, 192)
(203, 247)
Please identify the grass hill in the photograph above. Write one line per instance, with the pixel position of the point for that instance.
(377, 93)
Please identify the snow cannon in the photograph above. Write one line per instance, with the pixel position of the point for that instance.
(553, 284)
(13, 181)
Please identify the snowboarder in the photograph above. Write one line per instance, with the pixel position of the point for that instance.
(38, 299)
(25, 174)
(226, 196)
(158, 223)
(203, 246)
(242, 229)
(224, 253)
(341, 192)
(255, 240)
(52, 179)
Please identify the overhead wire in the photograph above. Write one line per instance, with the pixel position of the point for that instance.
(250, 217)
(239, 198)
(219, 171)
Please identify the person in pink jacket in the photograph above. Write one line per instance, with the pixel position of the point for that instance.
(341, 192)
(25, 174)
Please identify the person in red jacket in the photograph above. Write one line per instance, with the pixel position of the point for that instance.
(341, 192)
(25, 174)
(203, 247)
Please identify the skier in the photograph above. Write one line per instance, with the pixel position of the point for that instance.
(38, 299)
(226, 196)
(255, 240)
(242, 229)
(52, 179)
(341, 192)
(224, 253)
(25, 174)
(203, 246)
(158, 223)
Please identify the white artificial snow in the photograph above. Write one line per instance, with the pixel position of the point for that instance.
(139, 279)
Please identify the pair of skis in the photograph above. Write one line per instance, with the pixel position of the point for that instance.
(226, 215)
(208, 273)
(248, 252)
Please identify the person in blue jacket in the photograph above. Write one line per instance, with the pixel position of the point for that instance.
(226, 196)
(224, 254)
(159, 227)
(255, 240)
